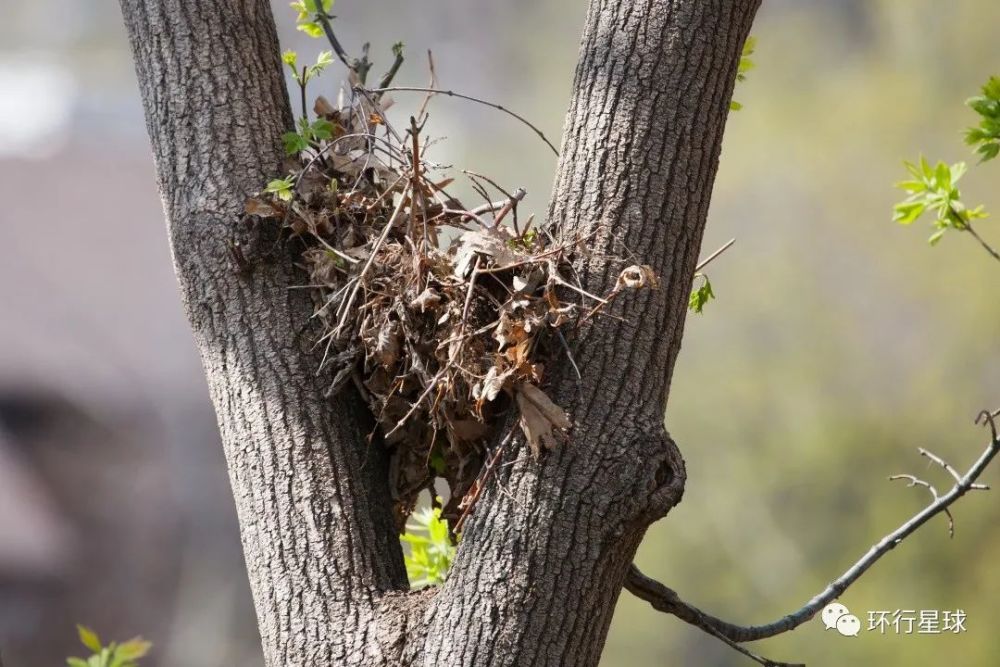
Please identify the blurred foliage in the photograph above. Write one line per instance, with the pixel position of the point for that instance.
(125, 654)
(430, 549)
(307, 10)
(986, 136)
(746, 64)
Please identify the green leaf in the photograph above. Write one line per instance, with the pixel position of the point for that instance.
(988, 151)
(907, 212)
(942, 174)
(281, 188)
(987, 133)
(957, 171)
(133, 649)
(324, 59)
(294, 143)
(430, 550)
(935, 237)
(911, 186)
(702, 295)
(89, 638)
(76, 662)
(925, 168)
(735, 106)
(311, 28)
(322, 129)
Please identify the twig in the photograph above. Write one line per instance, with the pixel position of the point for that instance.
(432, 85)
(990, 249)
(451, 93)
(510, 205)
(569, 354)
(397, 51)
(916, 481)
(480, 482)
(416, 404)
(705, 262)
(324, 21)
(371, 258)
(666, 600)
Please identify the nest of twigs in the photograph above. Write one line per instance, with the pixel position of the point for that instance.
(442, 316)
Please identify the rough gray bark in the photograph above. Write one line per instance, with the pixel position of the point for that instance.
(542, 561)
(311, 498)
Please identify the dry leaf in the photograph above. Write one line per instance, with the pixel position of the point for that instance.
(255, 206)
(426, 299)
(322, 107)
(539, 415)
(387, 347)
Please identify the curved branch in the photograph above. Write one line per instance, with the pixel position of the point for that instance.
(450, 93)
(665, 599)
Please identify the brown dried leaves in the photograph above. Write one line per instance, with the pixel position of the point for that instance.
(440, 339)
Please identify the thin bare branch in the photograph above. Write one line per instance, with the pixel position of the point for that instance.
(666, 599)
(705, 262)
(986, 246)
(916, 481)
(451, 93)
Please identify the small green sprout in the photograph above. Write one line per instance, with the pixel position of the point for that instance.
(430, 548)
(282, 188)
(702, 295)
(125, 654)
(933, 189)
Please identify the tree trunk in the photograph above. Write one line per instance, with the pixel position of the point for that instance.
(544, 555)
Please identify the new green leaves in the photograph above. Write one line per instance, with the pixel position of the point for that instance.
(702, 295)
(113, 655)
(431, 550)
(306, 135)
(282, 188)
(933, 189)
(746, 64)
(986, 137)
(307, 10)
(303, 76)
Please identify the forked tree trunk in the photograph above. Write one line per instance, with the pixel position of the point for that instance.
(544, 555)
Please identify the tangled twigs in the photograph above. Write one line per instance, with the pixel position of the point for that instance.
(667, 600)
(443, 316)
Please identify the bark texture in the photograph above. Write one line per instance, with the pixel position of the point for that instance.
(545, 553)
(311, 498)
(544, 558)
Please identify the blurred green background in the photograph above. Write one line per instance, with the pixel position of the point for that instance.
(838, 344)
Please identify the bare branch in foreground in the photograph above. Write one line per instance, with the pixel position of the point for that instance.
(665, 599)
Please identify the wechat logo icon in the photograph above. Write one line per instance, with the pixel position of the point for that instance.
(837, 617)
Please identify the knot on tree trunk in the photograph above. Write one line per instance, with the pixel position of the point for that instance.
(659, 483)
